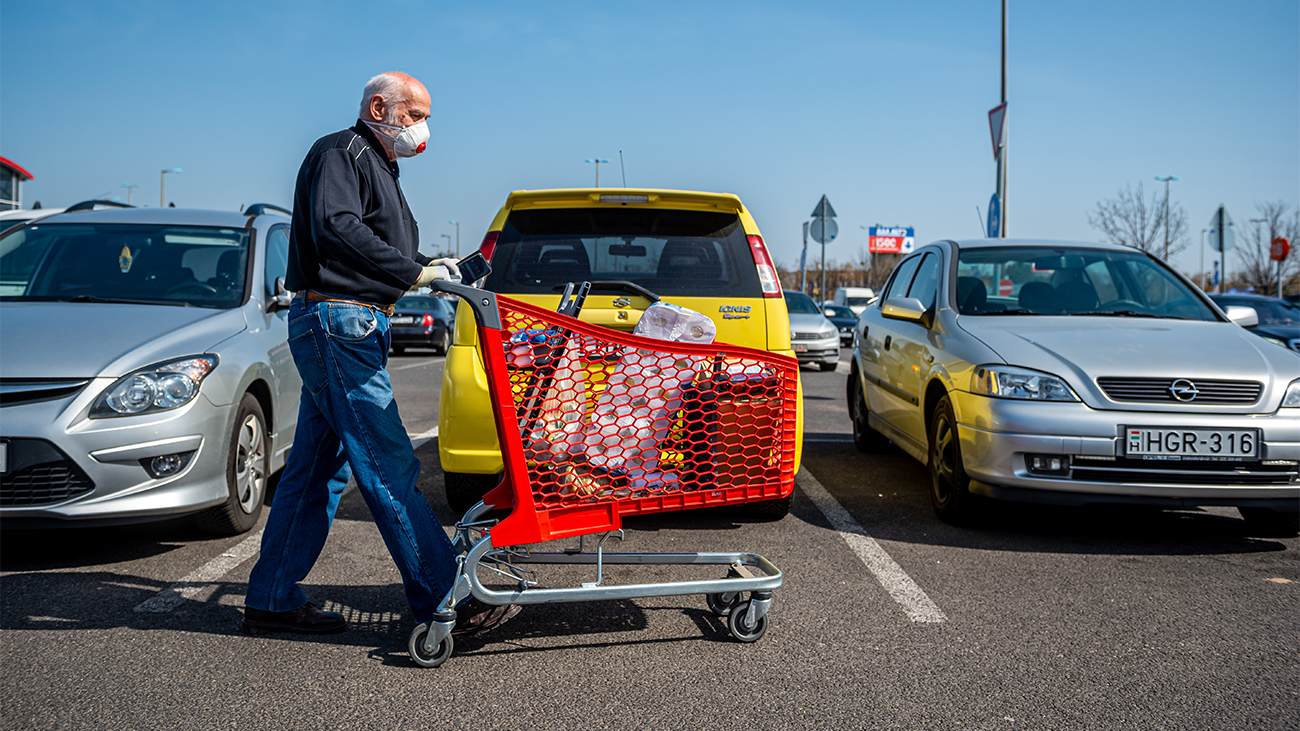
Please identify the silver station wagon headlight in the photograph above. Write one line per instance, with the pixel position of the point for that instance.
(159, 387)
(1292, 397)
(1002, 381)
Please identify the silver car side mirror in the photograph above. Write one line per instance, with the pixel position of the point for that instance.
(282, 297)
(1244, 316)
(903, 308)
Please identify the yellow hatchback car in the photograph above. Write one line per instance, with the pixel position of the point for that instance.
(702, 251)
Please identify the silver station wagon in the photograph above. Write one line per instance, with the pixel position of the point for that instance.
(144, 366)
(1075, 373)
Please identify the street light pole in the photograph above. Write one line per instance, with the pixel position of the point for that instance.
(1166, 180)
(1267, 240)
(162, 193)
(1203, 277)
(597, 162)
(448, 237)
(130, 188)
(1006, 126)
(457, 225)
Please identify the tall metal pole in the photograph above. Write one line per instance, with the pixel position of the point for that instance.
(1203, 282)
(457, 225)
(1006, 124)
(1166, 180)
(1223, 254)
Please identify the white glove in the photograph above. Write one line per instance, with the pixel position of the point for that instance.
(438, 269)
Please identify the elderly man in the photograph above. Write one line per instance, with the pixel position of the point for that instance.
(353, 252)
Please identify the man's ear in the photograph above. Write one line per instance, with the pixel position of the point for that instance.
(377, 108)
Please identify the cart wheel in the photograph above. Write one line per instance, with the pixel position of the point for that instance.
(424, 659)
(735, 623)
(721, 604)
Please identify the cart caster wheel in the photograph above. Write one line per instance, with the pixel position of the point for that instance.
(722, 604)
(736, 623)
(425, 659)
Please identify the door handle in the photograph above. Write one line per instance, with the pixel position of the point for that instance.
(888, 339)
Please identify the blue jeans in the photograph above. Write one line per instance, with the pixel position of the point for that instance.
(348, 426)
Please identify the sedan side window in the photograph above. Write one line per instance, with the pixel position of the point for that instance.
(925, 285)
(902, 279)
(277, 256)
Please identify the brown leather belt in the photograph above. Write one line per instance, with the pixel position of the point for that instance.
(311, 296)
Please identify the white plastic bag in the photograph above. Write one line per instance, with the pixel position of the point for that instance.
(664, 321)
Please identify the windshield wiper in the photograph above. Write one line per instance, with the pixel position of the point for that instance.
(1007, 312)
(1127, 313)
(123, 301)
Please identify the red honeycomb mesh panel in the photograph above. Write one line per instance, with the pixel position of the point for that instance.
(628, 425)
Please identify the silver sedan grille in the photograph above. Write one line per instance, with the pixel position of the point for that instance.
(1161, 390)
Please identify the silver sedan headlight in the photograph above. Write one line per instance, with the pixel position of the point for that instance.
(1002, 381)
(1292, 397)
(159, 387)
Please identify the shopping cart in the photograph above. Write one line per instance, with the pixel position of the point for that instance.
(596, 424)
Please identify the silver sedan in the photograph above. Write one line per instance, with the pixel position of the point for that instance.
(1074, 373)
(144, 367)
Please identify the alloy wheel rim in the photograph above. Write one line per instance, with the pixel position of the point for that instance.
(250, 458)
(944, 448)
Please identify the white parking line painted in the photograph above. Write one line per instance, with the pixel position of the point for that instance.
(199, 579)
(421, 364)
(422, 437)
(910, 597)
(843, 367)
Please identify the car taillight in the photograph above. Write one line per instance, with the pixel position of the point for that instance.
(766, 270)
(427, 321)
(489, 244)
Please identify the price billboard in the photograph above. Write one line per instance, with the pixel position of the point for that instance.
(886, 240)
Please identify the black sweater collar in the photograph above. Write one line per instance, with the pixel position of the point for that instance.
(364, 130)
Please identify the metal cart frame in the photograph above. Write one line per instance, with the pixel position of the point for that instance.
(477, 535)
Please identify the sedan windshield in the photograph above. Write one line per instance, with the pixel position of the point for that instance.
(127, 263)
(797, 303)
(1023, 280)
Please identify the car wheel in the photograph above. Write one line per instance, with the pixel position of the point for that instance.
(866, 439)
(443, 343)
(1271, 523)
(771, 509)
(950, 486)
(465, 490)
(246, 473)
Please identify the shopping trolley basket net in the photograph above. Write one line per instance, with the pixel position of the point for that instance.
(647, 425)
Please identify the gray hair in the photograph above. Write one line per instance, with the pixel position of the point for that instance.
(388, 85)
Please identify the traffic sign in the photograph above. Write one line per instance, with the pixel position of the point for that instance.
(1223, 236)
(823, 209)
(1004, 288)
(995, 217)
(1279, 249)
(997, 123)
(824, 230)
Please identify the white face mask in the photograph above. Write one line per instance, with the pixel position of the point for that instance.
(408, 141)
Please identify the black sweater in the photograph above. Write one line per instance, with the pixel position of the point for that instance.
(353, 235)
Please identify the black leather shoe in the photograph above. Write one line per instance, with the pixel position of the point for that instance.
(308, 619)
(474, 617)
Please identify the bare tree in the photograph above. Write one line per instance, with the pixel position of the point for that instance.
(1131, 220)
(1258, 270)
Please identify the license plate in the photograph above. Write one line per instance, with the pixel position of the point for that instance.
(1146, 442)
(401, 320)
(799, 347)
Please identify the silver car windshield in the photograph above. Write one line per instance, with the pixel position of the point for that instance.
(1023, 280)
(144, 264)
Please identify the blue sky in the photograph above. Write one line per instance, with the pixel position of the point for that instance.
(881, 106)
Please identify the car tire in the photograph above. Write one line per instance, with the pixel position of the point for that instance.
(949, 483)
(443, 343)
(866, 439)
(465, 489)
(828, 366)
(247, 462)
(1271, 523)
(770, 510)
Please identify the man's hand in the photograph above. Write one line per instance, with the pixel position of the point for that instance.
(438, 269)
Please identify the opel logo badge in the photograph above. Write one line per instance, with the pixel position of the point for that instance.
(1183, 390)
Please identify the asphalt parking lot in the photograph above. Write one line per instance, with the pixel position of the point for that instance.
(1036, 618)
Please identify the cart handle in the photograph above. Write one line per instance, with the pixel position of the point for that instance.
(483, 302)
